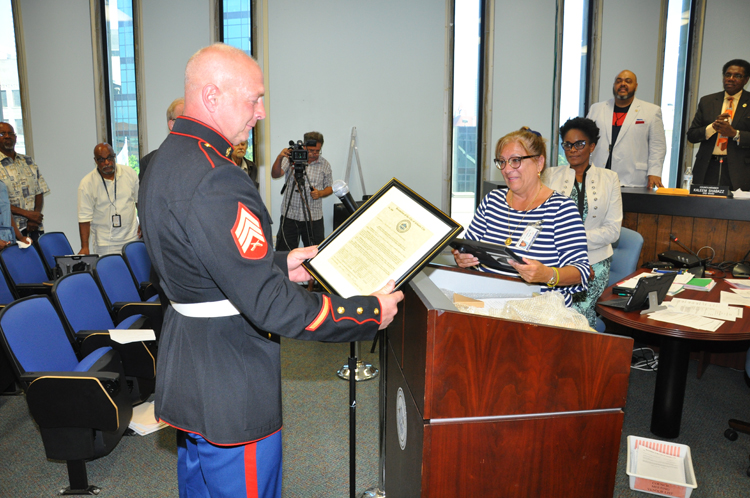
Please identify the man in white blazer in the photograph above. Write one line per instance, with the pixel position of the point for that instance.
(636, 129)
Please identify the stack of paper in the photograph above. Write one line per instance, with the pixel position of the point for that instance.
(739, 283)
(143, 421)
(701, 315)
(659, 466)
(701, 284)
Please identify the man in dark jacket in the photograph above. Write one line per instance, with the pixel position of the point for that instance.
(209, 237)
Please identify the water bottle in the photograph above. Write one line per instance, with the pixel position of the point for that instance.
(687, 178)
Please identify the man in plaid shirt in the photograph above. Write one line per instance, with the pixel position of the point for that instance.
(302, 211)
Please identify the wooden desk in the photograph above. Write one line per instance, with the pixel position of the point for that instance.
(674, 353)
(483, 406)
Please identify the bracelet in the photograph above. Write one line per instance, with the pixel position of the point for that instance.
(555, 279)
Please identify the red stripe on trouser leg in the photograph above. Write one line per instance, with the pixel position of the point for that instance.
(251, 471)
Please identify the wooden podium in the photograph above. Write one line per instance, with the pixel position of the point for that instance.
(481, 406)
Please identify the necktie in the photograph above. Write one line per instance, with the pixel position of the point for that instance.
(722, 140)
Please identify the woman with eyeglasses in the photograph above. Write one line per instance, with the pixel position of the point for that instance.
(541, 226)
(596, 193)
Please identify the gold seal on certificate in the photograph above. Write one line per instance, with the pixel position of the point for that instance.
(391, 237)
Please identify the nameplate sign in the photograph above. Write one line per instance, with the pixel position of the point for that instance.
(710, 190)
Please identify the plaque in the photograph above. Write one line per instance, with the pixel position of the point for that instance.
(392, 236)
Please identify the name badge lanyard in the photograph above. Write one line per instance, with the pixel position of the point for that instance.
(115, 217)
(581, 191)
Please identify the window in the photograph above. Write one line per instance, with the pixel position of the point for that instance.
(237, 31)
(673, 84)
(10, 93)
(574, 68)
(119, 51)
(467, 38)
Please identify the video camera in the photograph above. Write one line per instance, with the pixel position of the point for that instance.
(298, 155)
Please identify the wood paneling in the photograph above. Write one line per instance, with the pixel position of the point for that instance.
(730, 240)
(486, 366)
(560, 456)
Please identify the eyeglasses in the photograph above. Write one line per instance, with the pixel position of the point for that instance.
(515, 162)
(7, 134)
(578, 144)
(102, 160)
(734, 76)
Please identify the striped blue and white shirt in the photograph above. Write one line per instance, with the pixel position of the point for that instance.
(561, 242)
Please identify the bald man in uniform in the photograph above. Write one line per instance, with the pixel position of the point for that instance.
(208, 234)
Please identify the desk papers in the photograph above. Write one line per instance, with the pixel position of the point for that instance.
(705, 308)
(126, 336)
(701, 315)
(687, 320)
(659, 466)
(740, 283)
(144, 421)
(739, 297)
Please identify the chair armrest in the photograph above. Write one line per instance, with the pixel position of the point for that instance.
(138, 358)
(147, 290)
(24, 290)
(73, 399)
(123, 310)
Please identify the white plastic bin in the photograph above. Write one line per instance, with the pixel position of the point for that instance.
(655, 487)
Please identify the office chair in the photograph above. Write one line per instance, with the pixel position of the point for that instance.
(53, 244)
(25, 270)
(736, 426)
(136, 257)
(627, 251)
(81, 406)
(86, 319)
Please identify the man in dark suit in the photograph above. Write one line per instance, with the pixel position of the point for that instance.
(722, 127)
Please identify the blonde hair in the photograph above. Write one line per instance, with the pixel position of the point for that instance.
(531, 141)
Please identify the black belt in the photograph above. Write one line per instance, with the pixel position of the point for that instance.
(718, 158)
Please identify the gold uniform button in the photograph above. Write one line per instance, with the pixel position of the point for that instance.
(360, 311)
(377, 311)
(340, 310)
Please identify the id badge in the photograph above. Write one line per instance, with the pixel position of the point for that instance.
(116, 221)
(529, 236)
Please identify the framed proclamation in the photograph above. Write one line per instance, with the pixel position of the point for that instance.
(390, 237)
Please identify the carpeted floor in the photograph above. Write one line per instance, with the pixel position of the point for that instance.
(316, 459)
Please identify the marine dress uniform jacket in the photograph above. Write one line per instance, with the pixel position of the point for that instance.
(604, 199)
(208, 234)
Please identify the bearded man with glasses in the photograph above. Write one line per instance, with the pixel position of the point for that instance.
(633, 143)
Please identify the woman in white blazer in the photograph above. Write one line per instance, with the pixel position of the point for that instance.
(597, 193)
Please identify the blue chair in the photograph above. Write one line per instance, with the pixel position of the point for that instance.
(80, 405)
(736, 426)
(121, 293)
(86, 318)
(138, 262)
(53, 244)
(7, 294)
(25, 270)
(627, 251)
